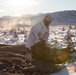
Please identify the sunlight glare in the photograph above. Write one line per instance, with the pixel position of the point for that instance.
(22, 3)
(21, 7)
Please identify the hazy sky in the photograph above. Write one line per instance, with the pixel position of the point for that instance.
(23, 7)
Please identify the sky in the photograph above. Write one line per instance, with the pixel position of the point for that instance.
(23, 7)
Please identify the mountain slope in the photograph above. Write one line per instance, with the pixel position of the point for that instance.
(60, 18)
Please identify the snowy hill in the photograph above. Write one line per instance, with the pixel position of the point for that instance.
(60, 18)
(64, 17)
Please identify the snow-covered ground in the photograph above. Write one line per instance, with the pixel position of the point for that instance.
(70, 69)
(56, 38)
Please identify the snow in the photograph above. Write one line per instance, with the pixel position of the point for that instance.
(67, 70)
(56, 34)
(59, 18)
(56, 39)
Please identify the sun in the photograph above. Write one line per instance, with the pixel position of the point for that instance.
(20, 7)
(20, 3)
